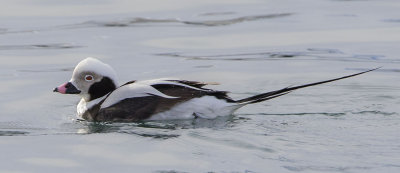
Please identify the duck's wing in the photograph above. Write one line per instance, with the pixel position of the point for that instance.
(139, 100)
(193, 83)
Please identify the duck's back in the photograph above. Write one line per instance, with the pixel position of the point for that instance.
(161, 99)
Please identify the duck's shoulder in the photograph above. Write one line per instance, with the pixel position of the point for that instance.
(133, 90)
(157, 86)
(187, 83)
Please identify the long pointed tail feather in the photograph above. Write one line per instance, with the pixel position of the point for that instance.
(284, 91)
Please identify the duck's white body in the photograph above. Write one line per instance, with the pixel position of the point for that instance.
(158, 99)
(204, 107)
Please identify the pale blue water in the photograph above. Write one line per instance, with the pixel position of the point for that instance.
(249, 47)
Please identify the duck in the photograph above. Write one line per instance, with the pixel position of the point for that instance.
(103, 100)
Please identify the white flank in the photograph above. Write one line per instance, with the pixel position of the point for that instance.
(83, 106)
(207, 107)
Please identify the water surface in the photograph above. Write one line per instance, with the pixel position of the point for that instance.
(249, 47)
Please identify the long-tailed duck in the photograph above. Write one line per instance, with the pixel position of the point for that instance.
(158, 99)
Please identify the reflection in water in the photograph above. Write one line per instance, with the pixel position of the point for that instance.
(173, 128)
(156, 129)
(162, 129)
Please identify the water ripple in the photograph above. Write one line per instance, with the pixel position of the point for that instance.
(141, 20)
(235, 20)
(324, 168)
(375, 112)
(217, 13)
(333, 114)
(151, 21)
(309, 54)
(11, 128)
(392, 20)
(39, 46)
(169, 171)
(12, 133)
(45, 70)
(3, 30)
(231, 142)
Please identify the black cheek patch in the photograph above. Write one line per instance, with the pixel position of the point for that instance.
(99, 89)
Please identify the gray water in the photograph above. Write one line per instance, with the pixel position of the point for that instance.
(248, 46)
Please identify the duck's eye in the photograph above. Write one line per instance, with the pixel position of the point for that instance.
(88, 77)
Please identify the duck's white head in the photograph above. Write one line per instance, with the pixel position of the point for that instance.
(91, 79)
